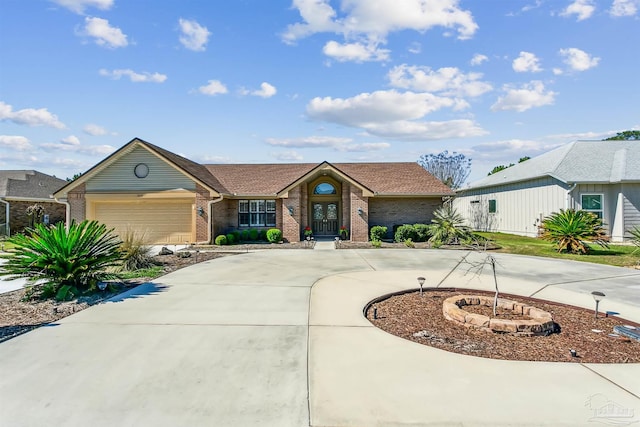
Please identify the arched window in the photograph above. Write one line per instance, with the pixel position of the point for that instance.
(324, 188)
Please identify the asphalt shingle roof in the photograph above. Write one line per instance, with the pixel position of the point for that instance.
(28, 184)
(578, 161)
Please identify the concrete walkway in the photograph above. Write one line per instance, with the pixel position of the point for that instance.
(277, 338)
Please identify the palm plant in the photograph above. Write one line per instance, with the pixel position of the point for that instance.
(448, 227)
(64, 263)
(635, 233)
(570, 230)
(136, 254)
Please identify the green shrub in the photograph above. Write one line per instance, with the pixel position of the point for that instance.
(221, 240)
(244, 235)
(448, 228)
(423, 232)
(253, 234)
(377, 233)
(376, 243)
(67, 262)
(274, 235)
(231, 239)
(635, 237)
(405, 232)
(236, 236)
(409, 243)
(135, 254)
(569, 229)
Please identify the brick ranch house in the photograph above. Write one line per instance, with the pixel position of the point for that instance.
(20, 189)
(147, 189)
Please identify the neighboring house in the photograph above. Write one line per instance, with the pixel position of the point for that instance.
(602, 177)
(20, 189)
(145, 189)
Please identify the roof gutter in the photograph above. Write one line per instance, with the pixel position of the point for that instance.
(67, 211)
(210, 219)
(569, 191)
(7, 227)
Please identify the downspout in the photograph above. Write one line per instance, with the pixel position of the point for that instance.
(569, 195)
(67, 213)
(210, 221)
(7, 227)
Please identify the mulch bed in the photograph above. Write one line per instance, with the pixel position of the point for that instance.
(420, 319)
(18, 316)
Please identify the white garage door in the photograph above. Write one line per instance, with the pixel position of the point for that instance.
(160, 222)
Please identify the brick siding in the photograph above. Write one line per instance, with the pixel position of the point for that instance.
(394, 211)
(77, 203)
(18, 219)
(359, 223)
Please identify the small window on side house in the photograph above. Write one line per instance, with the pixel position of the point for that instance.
(592, 203)
(492, 206)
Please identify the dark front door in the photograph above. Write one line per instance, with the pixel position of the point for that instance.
(325, 218)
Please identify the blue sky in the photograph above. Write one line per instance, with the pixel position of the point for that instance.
(254, 81)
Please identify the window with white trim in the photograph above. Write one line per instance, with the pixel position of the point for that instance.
(256, 213)
(593, 203)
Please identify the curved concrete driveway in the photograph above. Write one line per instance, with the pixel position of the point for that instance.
(236, 342)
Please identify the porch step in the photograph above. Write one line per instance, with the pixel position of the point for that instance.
(327, 245)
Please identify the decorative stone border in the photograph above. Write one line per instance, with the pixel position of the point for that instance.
(540, 322)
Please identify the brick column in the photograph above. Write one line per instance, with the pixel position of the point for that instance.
(291, 223)
(77, 204)
(202, 221)
(346, 207)
(359, 223)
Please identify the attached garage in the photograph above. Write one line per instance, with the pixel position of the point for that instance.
(159, 221)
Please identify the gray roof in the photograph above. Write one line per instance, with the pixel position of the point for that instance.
(28, 184)
(594, 162)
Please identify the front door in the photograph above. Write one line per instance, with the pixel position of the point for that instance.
(325, 218)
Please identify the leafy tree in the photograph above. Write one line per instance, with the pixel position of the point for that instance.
(65, 263)
(452, 169)
(74, 177)
(570, 229)
(503, 167)
(626, 135)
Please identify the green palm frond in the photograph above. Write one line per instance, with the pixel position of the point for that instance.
(570, 229)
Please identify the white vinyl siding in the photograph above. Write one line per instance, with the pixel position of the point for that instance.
(519, 206)
(119, 175)
(157, 221)
(631, 206)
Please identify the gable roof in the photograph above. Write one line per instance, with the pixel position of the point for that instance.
(28, 184)
(593, 162)
(195, 170)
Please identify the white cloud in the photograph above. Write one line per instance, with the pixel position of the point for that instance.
(30, 116)
(212, 88)
(309, 142)
(372, 20)
(530, 95)
(513, 147)
(379, 106)
(448, 81)
(15, 142)
(135, 77)
(356, 52)
(526, 62)
(335, 143)
(578, 60)
(478, 59)
(194, 36)
(94, 130)
(79, 6)
(421, 131)
(104, 34)
(71, 144)
(583, 9)
(266, 90)
(624, 8)
(288, 156)
(71, 140)
(415, 48)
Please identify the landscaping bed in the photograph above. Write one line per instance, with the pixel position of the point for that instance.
(420, 319)
(18, 317)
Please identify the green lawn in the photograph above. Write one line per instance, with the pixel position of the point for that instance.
(617, 255)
